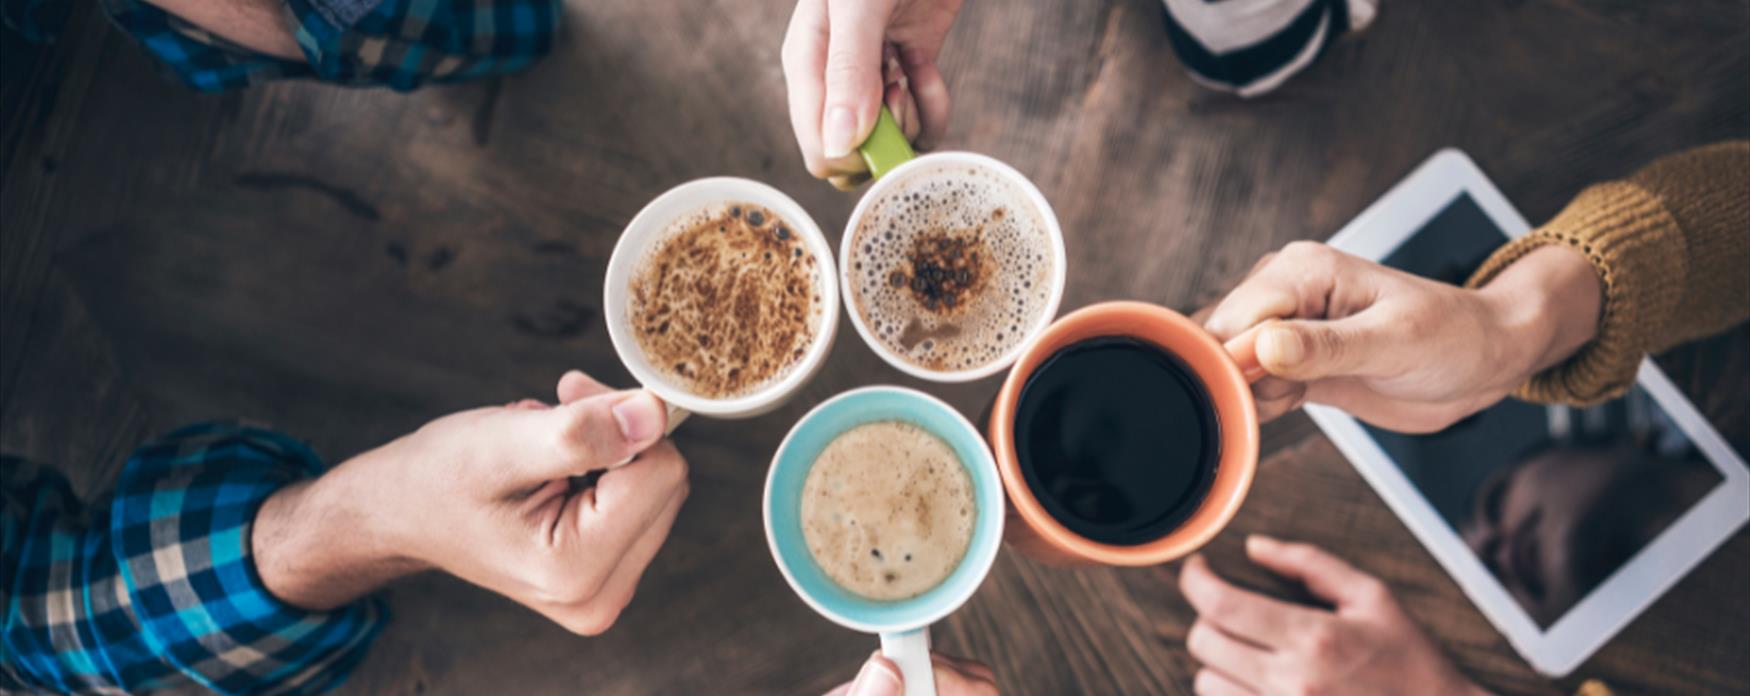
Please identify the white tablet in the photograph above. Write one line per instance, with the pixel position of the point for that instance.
(1561, 524)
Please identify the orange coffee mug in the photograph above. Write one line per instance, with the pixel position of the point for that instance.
(1033, 531)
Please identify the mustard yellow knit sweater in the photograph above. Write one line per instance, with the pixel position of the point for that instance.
(1672, 246)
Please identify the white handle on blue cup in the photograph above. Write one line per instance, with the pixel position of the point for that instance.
(911, 651)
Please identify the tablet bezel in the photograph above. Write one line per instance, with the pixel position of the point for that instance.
(1589, 624)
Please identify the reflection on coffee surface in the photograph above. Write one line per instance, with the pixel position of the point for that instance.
(727, 301)
(887, 510)
(1118, 439)
(951, 267)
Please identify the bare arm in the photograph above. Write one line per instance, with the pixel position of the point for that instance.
(259, 25)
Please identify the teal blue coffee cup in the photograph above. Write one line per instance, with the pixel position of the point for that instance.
(903, 624)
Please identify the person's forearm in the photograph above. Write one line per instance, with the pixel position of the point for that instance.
(315, 550)
(1548, 304)
(258, 25)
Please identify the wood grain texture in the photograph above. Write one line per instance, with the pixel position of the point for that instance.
(346, 264)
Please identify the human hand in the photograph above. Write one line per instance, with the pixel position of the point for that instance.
(495, 496)
(1249, 643)
(1397, 350)
(954, 677)
(844, 58)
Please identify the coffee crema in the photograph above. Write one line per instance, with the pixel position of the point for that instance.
(726, 301)
(888, 510)
(951, 267)
(1118, 439)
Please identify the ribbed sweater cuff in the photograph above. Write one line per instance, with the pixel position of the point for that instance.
(1632, 243)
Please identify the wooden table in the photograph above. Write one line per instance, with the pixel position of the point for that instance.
(347, 264)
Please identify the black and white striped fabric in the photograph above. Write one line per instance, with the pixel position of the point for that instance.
(1250, 47)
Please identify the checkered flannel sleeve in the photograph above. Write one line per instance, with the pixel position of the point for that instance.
(158, 589)
(401, 44)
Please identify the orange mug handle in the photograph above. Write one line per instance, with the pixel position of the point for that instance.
(1244, 351)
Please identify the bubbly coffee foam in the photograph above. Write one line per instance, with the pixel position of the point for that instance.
(951, 267)
(726, 301)
(887, 510)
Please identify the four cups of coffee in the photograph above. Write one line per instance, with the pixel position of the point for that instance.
(1123, 434)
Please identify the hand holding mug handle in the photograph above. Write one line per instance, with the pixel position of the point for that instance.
(886, 147)
(911, 650)
(1244, 351)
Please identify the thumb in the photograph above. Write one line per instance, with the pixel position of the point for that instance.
(596, 432)
(879, 677)
(1306, 350)
(1326, 576)
(853, 73)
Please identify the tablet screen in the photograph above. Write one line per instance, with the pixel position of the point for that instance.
(1552, 500)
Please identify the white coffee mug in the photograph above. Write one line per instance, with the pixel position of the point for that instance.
(904, 624)
(889, 174)
(639, 239)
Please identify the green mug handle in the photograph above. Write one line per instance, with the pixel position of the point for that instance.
(886, 147)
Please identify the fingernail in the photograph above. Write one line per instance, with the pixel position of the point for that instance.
(877, 679)
(640, 417)
(839, 129)
(1282, 346)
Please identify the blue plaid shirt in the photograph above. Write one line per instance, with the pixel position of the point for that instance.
(158, 588)
(400, 44)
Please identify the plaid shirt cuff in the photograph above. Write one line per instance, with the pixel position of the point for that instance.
(401, 44)
(180, 530)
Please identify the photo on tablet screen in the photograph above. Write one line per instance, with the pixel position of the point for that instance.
(1551, 499)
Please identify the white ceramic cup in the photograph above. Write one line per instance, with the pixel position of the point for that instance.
(904, 625)
(1053, 233)
(639, 239)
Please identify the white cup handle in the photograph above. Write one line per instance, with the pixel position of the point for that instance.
(911, 651)
(676, 415)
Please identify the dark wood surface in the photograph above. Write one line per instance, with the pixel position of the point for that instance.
(346, 264)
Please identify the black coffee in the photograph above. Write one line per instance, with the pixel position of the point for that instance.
(1118, 439)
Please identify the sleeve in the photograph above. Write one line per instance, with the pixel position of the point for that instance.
(1672, 246)
(36, 20)
(401, 44)
(194, 56)
(158, 588)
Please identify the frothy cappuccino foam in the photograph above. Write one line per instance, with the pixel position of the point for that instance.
(952, 267)
(887, 510)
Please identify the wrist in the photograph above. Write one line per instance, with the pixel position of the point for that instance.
(315, 548)
(1546, 306)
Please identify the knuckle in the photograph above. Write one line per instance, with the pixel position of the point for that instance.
(1408, 324)
(1221, 605)
(844, 63)
(1197, 641)
(671, 470)
(570, 586)
(1434, 422)
(572, 438)
(1372, 591)
(1322, 643)
(1297, 685)
(1302, 250)
(1327, 342)
(591, 621)
(1376, 593)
